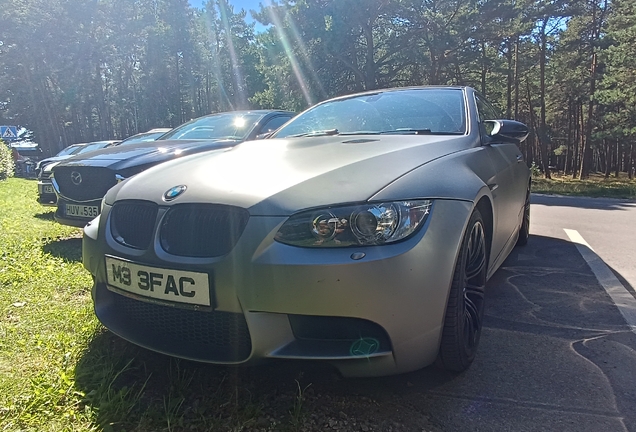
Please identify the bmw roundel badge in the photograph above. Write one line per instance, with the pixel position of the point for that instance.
(174, 192)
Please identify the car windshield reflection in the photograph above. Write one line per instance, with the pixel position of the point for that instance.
(219, 126)
(411, 111)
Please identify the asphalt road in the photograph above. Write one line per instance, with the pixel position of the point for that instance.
(556, 354)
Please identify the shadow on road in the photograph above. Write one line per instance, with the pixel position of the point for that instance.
(555, 354)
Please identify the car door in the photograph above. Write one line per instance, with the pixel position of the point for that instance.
(507, 186)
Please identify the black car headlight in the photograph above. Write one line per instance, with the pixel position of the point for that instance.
(355, 225)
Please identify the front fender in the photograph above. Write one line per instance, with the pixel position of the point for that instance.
(463, 176)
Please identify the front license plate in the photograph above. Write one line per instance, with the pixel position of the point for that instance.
(46, 189)
(82, 211)
(158, 283)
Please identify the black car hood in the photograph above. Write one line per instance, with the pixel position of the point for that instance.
(144, 153)
(52, 159)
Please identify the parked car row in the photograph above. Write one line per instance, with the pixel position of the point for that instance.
(46, 193)
(362, 232)
(81, 182)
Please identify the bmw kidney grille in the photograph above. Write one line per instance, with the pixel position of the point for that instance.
(189, 230)
(202, 230)
(133, 222)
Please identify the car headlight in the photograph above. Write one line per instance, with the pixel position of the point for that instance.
(355, 225)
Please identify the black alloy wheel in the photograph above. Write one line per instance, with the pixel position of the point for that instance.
(524, 230)
(465, 308)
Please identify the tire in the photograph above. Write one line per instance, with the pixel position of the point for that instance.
(465, 308)
(524, 230)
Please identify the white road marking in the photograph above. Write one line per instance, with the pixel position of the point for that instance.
(622, 298)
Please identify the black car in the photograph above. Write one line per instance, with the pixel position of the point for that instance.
(81, 182)
(46, 194)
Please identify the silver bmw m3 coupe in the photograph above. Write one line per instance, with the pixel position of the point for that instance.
(362, 233)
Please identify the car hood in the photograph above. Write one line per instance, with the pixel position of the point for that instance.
(52, 159)
(145, 153)
(282, 176)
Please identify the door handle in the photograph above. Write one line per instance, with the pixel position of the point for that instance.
(519, 158)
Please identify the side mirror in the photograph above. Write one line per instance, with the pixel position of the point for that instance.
(506, 130)
(263, 135)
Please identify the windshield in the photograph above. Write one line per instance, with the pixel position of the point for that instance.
(150, 136)
(69, 150)
(219, 126)
(436, 111)
(92, 146)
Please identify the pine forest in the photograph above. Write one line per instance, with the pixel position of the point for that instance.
(82, 70)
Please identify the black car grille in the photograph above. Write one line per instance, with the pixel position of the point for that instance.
(205, 335)
(202, 230)
(83, 183)
(132, 223)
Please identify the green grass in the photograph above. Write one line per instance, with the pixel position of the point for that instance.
(595, 186)
(61, 371)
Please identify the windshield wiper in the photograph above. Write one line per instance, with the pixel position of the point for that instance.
(402, 131)
(326, 132)
(407, 131)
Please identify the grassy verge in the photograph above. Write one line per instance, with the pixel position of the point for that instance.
(60, 370)
(595, 186)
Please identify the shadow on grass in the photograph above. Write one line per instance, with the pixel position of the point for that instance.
(48, 216)
(67, 248)
(133, 389)
(130, 388)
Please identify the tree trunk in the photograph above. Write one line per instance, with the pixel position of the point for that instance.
(630, 162)
(483, 69)
(586, 161)
(568, 142)
(509, 79)
(370, 72)
(516, 79)
(542, 149)
(580, 139)
(608, 158)
(618, 159)
(543, 135)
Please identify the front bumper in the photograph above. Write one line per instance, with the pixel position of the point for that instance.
(82, 213)
(379, 315)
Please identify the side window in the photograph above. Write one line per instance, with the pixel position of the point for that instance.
(274, 124)
(486, 112)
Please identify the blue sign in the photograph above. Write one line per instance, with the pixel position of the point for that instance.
(8, 132)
